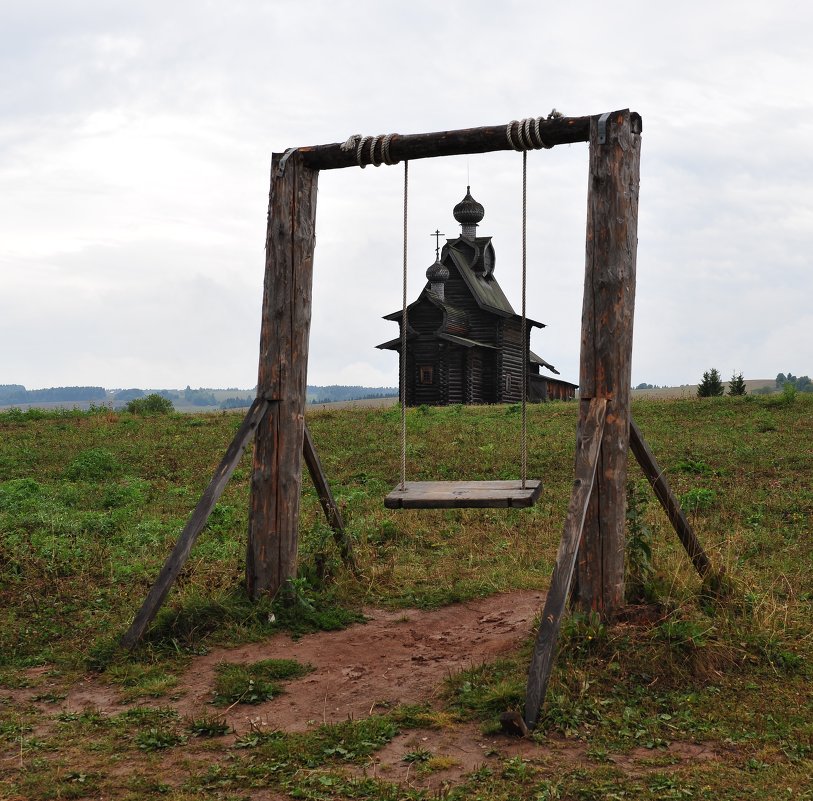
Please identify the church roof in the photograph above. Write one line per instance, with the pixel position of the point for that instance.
(454, 319)
(450, 311)
(468, 255)
(534, 359)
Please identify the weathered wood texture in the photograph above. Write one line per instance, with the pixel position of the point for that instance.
(607, 318)
(329, 505)
(271, 556)
(197, 520)
(668, 501)
(464, 495)
(588, 440)
(451, 143)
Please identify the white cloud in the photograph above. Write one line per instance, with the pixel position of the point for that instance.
(135, 143)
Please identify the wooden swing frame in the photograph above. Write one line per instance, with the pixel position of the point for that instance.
(591, 553)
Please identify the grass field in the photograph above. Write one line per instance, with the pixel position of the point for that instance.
(91, 503)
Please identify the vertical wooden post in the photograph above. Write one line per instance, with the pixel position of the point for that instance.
(607, 316)
(271, 556)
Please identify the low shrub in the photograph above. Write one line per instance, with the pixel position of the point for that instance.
(151, 404)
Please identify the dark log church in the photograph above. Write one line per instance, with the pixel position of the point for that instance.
(464, 340)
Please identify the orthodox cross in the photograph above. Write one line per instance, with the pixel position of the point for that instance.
(437, 234)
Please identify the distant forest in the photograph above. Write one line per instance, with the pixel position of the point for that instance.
(336, 393)
(11, 394)
(17, 393)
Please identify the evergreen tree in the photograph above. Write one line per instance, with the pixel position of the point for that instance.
(736, 386)
(711, 386)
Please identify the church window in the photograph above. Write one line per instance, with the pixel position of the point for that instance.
(425, 374)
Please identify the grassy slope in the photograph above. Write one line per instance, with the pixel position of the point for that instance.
(90, 505)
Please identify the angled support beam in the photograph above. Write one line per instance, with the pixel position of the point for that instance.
(195, 524)
(271, 555)
(329, 505)
(588, 440)
(663, 492)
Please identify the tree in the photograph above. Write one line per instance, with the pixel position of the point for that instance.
(736, 386)
(711, 386)
(152, 404)
(780, 379)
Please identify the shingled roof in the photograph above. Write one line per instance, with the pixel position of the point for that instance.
(470, 257)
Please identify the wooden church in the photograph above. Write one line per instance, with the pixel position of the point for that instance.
(464, 340)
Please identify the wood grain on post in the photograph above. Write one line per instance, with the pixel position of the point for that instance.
(329, 505)
(671, 505)
(588, 440)
(197, 520)
(607, 318)
(271, 556)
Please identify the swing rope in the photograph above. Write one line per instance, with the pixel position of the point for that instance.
(524, 434)
(528, 137)
(404, 334)
(524, 328)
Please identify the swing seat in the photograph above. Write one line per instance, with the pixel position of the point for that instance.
(464, 495)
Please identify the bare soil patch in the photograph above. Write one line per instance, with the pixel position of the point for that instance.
(396, 657)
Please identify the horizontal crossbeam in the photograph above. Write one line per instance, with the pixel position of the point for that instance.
(554, 131)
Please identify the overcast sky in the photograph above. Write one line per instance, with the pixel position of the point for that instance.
(136, 138)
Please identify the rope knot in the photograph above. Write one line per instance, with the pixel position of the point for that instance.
(527, 132)
(377, 152)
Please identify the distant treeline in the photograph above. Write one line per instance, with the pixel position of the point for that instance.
(205, 397)
(235, 403)
(335, 393)
(193, 397)
(17, 393)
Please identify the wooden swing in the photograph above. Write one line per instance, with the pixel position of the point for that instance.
(592, 546)
(468, 494)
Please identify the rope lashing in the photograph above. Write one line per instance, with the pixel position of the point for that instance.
(527, 132)
(365, 148)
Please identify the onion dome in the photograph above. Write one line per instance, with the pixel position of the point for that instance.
(469, 212)
(437, 273)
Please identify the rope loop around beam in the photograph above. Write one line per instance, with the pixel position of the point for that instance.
(527, 132)
(365, 149)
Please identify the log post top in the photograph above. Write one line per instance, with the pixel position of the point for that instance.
(390, 149)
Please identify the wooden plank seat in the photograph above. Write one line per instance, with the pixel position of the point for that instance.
(464, 495)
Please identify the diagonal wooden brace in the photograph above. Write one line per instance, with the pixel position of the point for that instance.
(588, 441)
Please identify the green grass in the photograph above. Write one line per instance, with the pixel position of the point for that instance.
(255, 683)
(91, 503)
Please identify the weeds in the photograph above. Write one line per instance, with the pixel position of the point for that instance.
(255, 683)
(208, 726)
(698, 500)
(154, 739)
(639, 568)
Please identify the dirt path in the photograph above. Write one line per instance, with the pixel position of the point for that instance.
(396, 657)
